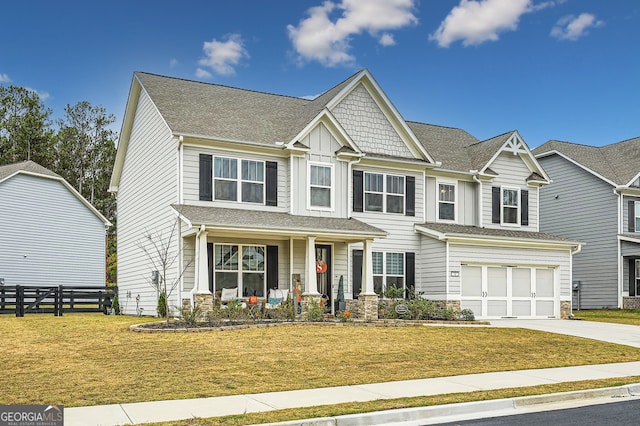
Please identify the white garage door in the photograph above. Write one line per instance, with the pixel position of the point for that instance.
(499, 291)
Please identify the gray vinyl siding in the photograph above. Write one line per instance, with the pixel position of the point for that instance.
(463, 253)
(322, 150)
(513, 173)
(431, 269)
(627, 248)
(466, 200)
(583, 207)
(191, 178)
(148, 186)
(48, 236)
(625, 213)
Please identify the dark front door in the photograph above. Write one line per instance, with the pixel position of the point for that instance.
(323, 271)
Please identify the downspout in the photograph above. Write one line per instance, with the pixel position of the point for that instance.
(180, 200)
(477, 180)
(619, 243)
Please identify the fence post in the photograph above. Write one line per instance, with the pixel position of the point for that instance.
(58, 306)
(2, 296)
(19, 301)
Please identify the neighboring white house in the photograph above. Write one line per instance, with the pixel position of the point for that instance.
(49, 234)
(271, 188)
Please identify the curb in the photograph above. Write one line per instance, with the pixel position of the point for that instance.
(503, 406)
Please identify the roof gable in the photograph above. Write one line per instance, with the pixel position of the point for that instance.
(32, 168)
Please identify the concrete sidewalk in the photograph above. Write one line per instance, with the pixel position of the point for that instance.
(157, 411)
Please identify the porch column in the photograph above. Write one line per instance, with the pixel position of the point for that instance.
(202, 264)
(367, 269)
(311, 285)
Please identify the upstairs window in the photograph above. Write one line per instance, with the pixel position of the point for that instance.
(510, 206)
(320, 186)
(384, 193)
(226, 178)
(252, 181)
(637, 215)
(446, 201)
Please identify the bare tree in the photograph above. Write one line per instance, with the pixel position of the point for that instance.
(159, 249)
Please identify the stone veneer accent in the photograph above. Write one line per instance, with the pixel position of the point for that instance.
(631, 302)
(565, 309)
(368, 307)
(205, 301)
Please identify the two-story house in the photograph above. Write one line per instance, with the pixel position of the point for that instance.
(272, 190)
(595, 197)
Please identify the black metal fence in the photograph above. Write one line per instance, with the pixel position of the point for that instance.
(55, 300)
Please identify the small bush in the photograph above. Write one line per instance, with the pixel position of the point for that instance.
(191, 316)
(393, 292)
(315, 311)
(467, 315)
(163, 308)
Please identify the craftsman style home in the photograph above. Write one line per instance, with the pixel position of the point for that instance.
(49, 234)
(275, 192)
(607, 271)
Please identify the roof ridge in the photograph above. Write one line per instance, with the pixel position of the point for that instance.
(336, 85)
(436, 125)
(224, 86)
(493, 137)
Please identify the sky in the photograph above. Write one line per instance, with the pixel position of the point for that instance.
(552, 69)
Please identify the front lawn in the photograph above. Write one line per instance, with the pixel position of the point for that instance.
(620, 316)
(89, 359)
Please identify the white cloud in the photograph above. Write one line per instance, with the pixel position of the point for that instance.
(42, 95)
(200, 73)
(223, 56)
(477, 21)
(4, 78)
(173, 63)
(572, 28)
(326, 39)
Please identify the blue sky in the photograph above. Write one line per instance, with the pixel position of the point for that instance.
(552, 69)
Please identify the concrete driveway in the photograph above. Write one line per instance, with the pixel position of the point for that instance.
(607, 332)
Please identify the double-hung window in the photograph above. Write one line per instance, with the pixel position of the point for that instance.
(225, 173)
(510, 206)
(248, 275)
(384, 193)
(446, 201)
(320, 186)
(637, 215)
(388, 271)
(252, 181)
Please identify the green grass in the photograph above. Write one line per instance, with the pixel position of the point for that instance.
(90, 359)
(620, 316)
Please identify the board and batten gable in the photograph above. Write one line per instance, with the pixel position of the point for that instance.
(191, 177)
(322, 151)
(147, 188)
(466, 199)
(512, 173)
(48, 236)
(583, 207)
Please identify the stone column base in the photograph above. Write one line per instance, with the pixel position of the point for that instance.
(368, 307)
(205, 301)
(565, 309)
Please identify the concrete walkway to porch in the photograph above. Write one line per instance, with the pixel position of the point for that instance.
(157, 411)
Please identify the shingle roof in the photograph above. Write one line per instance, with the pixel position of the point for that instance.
(452, 229)
(274, 221)
(445, 144)
(25, 166)
(618, 162)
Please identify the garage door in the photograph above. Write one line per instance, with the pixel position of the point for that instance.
(499, 291)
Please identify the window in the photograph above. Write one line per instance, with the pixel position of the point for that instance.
(252, 181)
(320, 182)
(226, 178)
(384, 193)
(636, 290)
(388, 271)
(637, 216)
(510, 206)
(248, 276)
(446, 201)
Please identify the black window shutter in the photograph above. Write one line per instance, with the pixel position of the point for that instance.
(206, 177)
(272, 267)
(410, 196)
(410, 273)
(495, 204)
(631, 215)
(632, 277)
(358, 190)
(210, 265)
(524, 209)
(357, 272)
(272, 183)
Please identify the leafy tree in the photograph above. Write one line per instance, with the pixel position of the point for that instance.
(25, 132)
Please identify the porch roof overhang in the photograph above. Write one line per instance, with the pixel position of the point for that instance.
(491, 237)
(277, 224)
(631, 238)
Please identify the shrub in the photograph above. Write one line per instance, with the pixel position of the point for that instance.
(467, 315)
(191, 316)
(315, 311)
(163, 308)
(393, 292)
(115, 305)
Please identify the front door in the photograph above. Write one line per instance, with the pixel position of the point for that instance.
(323, 273)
